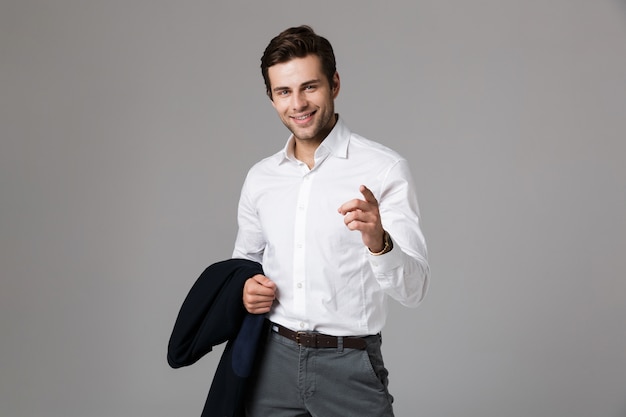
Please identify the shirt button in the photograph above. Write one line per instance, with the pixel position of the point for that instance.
(302, 325)
(299, 285)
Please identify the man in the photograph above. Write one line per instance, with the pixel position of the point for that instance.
(333, 219)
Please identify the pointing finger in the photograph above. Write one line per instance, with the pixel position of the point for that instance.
(367, 193)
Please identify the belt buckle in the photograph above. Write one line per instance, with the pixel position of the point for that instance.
(300, 335)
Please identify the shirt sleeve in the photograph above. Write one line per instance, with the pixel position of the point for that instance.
(250, 242)
(403, 273)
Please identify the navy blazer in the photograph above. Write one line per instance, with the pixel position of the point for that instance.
(211, 314)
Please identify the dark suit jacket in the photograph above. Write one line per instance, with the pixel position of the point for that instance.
(211, 314)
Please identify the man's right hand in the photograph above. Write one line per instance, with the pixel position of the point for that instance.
(259, 293)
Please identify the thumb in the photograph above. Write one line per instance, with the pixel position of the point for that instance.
(265, 281)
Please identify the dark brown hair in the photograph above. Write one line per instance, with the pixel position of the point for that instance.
(298, 42)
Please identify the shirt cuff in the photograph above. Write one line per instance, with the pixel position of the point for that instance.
(383, 264)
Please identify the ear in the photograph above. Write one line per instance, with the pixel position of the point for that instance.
(336, 85)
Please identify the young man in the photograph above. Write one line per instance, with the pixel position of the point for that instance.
(334, 220)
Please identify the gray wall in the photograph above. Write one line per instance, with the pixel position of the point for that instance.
(127, 128)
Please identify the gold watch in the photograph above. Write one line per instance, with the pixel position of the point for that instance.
(388, 245)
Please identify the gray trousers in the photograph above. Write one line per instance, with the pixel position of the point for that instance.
(295, 381)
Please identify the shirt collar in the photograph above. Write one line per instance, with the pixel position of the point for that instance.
(336, 144)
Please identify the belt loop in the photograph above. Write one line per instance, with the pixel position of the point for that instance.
(339, 344)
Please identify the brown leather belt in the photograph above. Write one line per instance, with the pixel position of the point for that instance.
(318, 340)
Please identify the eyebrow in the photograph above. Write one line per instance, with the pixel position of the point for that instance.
(304, 84)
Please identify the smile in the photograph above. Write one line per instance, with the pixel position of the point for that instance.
(303, 117)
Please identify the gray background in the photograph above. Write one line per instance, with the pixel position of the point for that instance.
(127, 128)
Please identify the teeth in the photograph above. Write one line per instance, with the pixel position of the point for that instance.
(303, 117)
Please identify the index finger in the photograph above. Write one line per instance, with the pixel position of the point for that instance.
(368, 194)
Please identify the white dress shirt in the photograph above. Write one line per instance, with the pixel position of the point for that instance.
(327, 280)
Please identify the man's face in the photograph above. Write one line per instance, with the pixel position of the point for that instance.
(303, 99)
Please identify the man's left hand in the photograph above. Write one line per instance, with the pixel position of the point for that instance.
(363, 215)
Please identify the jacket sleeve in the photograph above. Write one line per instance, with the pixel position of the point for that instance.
(212, 312)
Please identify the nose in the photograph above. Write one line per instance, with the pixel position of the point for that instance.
(298, 101)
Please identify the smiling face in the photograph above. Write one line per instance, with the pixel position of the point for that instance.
(303, 98)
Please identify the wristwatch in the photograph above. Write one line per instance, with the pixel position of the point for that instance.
(388, 245)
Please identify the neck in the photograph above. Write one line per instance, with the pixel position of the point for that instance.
(305, 151)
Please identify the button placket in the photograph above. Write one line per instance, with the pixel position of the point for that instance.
(299, 252)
